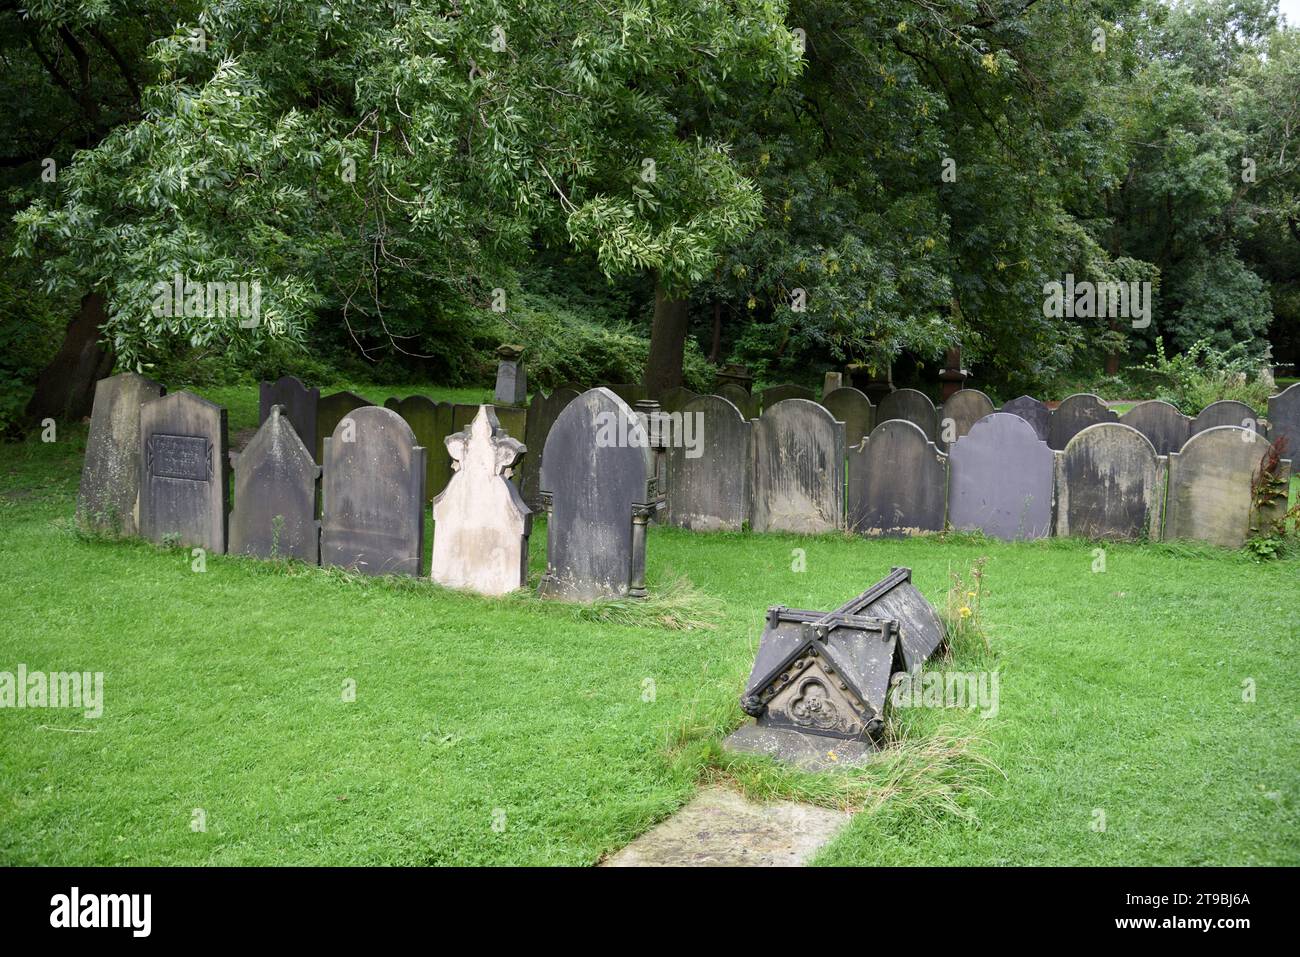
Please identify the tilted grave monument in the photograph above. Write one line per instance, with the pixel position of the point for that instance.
(108, 497)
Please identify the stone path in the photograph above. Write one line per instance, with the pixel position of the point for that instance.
(719, 828)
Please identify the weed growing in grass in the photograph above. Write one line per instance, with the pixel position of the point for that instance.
(676, 605)
(961, 616)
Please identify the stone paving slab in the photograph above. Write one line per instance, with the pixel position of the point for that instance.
(719, 828)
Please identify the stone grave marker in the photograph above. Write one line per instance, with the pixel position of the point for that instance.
(542, 413)
(431, 422)
(832, 381)
(184, 472)
(707, 487)
(108, 498)
(1226, 412)
(1110, 484)
(798, 469)
(674, 399)
(737, 396)
(330, 411)
(1210, 487)
(910, 406)
(298, 402)
(596, 479)
(1000, 479)
(1033, 411)
(372, 495)
(1165, 427)
(898, 482)
(629, 392)
(274, 514)
(1074, 414)
(852, 407)
(512, 380)
(787, 390)
(1284, 419)
(481, 525)
(962, 409)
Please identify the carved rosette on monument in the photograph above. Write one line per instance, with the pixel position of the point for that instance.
(820, 679)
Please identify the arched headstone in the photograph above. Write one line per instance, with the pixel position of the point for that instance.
(1210, 486)
(962, 409)
(1033, 411)
(1109, 484)
(596, 474)
(372, 495)
(910, 406)
(786, 390)
(898, 482)
(629, 392)
(852, 407)
(1074, 414)
(108, 497)
(542, 413)
(1226, 412)
(1000, 479)
(798, 469)
(481, 525)
(737, 396)
(275, 494)
(707, 487)
(299, 404)
(1284, 418)
(184, 472)
(1165, 427)
(330, 411)
(431, 422)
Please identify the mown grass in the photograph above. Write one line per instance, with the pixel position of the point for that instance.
(515, 730)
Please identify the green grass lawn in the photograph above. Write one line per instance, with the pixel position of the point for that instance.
(516, 731)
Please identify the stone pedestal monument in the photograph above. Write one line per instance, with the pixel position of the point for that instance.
(512, 380)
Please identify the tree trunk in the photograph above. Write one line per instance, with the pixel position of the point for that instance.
(65, 389)
(663, 369)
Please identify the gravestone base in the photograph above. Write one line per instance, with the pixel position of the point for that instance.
(807, 752)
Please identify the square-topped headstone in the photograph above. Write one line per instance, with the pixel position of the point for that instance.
(110, 476)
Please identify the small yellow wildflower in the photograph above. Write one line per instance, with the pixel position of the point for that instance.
(965, 612)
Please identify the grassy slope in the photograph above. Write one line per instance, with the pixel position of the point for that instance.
(1119, 690)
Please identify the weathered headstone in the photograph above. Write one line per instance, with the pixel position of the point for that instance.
(787, 390)
(1210, 482)
(1074, 414)
(1226, 412)
(832, 381)
(1165, 427)
(798, 469)
(298, 402)
(898, 482)
(910, 406)
(1110, 483)
(707, 487)
(960, 411)
(741, 399)
(673, 399)
(274, 515)
(481, 525)
(110, 475)
(1000, 479)
(330, 411)
(854, 409)
(1033, 411)
(542, 413)
(1284, 419)
(372, 495)
(184, 472)
(596, 472)
(512, 380)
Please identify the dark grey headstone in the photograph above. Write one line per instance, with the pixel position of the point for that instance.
(1074, 414)
(431, 422)
(737, 396)
(910, 406)
(372, 495)
(184, 472)
(330, 411)
(595, 473)
(1000, 479)
(299, 403)
(1210, 483)
(1284, 419)
(854, 409)
(542, 413)
(629, 392)
(1226, 412)
(707, 488)
(787, 390)
(898, 482)
(512, 383)
(1033, 411)
(673, 399)
(1109, 484)
(1165, 427)
(798, 469)
(274, 515)
(110, 476)
(963, 409)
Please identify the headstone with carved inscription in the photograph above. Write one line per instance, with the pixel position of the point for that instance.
(184, 472)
